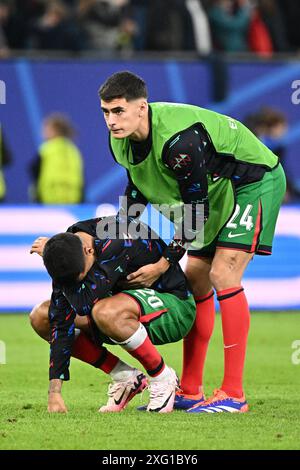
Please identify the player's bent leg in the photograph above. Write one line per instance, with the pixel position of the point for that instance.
(39, 320)
(167, 319)
(255, 233)
(118, 317)
(226, 274)
(86, 350)
(228, 267)
(127, 381)
(197, 271)
(195, 344)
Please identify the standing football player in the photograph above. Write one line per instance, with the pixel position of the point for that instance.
(178, 153)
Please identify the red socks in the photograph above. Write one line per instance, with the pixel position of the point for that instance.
(138, 345)
(235, 322)
(195, 345)
(98, 356)
(141, 348)
(149, 357)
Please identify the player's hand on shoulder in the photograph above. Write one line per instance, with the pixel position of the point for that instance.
(147, 275)
(39, 245)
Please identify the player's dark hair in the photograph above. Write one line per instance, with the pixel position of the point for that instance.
(63, 258)
(123, 85)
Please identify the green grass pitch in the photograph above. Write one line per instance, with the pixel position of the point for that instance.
(272, 383)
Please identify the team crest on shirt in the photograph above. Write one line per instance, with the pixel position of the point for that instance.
(180, 161)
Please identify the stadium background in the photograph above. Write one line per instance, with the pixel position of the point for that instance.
(35, 88)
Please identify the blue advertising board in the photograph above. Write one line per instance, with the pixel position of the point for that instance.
(271, 282)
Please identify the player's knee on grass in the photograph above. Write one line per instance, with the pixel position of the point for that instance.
(39, 320)
(114, 319)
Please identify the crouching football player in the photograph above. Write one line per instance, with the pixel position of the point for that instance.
(85, 272)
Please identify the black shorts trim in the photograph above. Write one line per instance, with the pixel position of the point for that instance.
(200, 254)
(264, 250)
(260, 250)
(233, 245)
(211, 254)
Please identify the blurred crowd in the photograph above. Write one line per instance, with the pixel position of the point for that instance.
(270, 125)
(57, 169)
(259, 26)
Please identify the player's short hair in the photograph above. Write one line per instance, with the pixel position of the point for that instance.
(63, 258)
(123, 85)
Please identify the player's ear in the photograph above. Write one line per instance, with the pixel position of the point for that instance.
(90, 250)
(143, 107)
